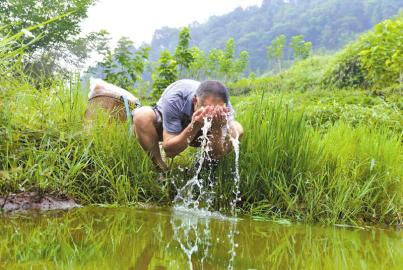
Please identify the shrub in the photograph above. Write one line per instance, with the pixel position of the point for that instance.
(374, 60)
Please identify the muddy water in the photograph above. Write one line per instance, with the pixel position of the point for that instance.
(122, 238)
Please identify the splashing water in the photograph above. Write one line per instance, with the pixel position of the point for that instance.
(191, 220)
(188, 193)
(197, 190)
(236, 191)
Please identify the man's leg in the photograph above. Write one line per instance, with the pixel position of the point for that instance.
(235, 129)
(144, 119)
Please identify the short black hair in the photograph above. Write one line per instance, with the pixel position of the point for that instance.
(215, 88)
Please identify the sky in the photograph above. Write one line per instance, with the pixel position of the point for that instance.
(139, 19)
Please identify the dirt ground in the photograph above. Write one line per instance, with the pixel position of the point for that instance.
(34, 201)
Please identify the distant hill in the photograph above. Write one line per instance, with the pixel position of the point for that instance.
(329, 24)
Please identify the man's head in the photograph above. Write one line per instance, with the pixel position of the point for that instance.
(210, 93)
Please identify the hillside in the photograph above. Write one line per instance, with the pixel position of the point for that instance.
(329, 24)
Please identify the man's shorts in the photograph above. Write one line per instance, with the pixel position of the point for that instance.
(158, 126)
(158, 123)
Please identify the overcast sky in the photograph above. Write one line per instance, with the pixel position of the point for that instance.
(139, 19)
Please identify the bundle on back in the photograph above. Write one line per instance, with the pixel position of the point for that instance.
(110, 98)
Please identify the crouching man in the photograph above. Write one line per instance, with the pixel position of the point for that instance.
(178, 118)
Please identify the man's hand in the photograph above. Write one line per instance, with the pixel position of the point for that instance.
(198, 116)
(220, 116)
(203, 112)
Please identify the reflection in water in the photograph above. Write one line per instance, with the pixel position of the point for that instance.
(191, 229)
(105, 238)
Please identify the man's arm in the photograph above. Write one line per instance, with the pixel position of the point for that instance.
(174, 144)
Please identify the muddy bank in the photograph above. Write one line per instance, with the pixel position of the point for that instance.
(34, 201)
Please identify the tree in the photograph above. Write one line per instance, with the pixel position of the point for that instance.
(227, 61)
(198, 68)
(276, 50)
(57, 46)
(20, 14)
(43, 65)
(219, 64)
(165, 74)
(125, 66)
(301, 48)
(241, 64)
(213, 63)
(183, 55)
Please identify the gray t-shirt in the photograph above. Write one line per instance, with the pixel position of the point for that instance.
(176, 105)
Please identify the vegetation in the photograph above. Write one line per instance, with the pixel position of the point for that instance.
(276, 50)
(374, 60)
(316, 148)
(93, 238)
(125, 66)
(166, 73)
(58, 47)
(301, 48)
(328, 24)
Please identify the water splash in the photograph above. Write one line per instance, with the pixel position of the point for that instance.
(237, 178)
(194, 192)
(198, 193)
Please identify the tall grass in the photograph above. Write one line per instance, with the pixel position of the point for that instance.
(288, 168)
(47, 146)
(292, 169)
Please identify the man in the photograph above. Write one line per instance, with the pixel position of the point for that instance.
(178, 118)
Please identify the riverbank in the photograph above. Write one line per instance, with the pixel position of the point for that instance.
(296, 161)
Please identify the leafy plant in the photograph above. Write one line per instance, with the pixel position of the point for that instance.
(58, 48)
(381, 53)
(374, 60)
(125, 66)
(165, 74)
(302, 49)
(275, 51)
(183, 55)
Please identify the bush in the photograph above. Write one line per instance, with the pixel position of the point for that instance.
(374, 60)
(303, 76)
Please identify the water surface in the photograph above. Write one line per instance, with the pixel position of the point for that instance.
(127, 238)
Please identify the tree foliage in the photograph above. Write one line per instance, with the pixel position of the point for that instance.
(58, 48)
(275, 51)
(125, 65)
(328, 24)
(382, 53)
(301, 48)
(20, 14)
(165, 73)
(374, 60)
(183, 54)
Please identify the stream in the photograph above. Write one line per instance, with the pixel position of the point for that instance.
(166, 238)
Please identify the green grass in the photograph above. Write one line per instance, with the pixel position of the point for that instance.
(288, 167)
(309, 154)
